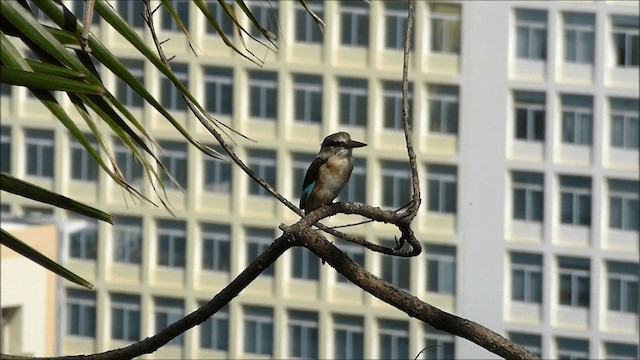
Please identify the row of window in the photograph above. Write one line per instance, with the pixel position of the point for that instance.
(217, 175)
(308, 93)
(257, 327)
(527, 197)
(215, 253)
(577, 119)
(355, 23)
(573, 348)
(575, 200)
(574, 282)
(578, 39)
(530, 115)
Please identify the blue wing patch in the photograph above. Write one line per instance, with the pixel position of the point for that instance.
(306, 194)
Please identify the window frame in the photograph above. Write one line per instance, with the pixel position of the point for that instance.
(218, 90)
(175, 232)
(442, 97)
(356, 14)
(445, 21)
(126, 233)
(400, 179)
(308, 93)
(219, 238)
(580, 30)
(87, 304)
(87, 166)
(256, 316)
(440, 182)
(44, 148)
(264, 165)
(126, 304)
(350, 95)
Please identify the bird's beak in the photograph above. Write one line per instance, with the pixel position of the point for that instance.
(355, 144)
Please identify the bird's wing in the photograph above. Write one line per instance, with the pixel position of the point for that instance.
(310, 180)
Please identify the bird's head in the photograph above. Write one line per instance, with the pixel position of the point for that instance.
(339, 141)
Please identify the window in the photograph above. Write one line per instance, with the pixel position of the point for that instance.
(396, 22)
(83, 243)
(575, 200)
(443, 109)
(625, 123)
(307, 91)
(442, 181)
(529, 116)
(83, 166)
(574, 282)
(441, 269)
(222, 18)
(348, 337)
(218, 90)
(131, 12)
(168, 311)
(396, 184)
(5, 90)
(170, 96)
(439, 344)
(303, 335)
(354, 17)
(445, 28)
(266, 14)
(355, 252)
(396, 270)
(394, 339)
(353, 96)
(129, 165)
(526, 277)
(530, 342)
(263, 164)
(621, 351)
(624, 204)
(214, 333)
(392, 97)
(129, 97)
(125, 317)
(622, 281)
(182, 8)
(572, 349)
(300, 164)
(626, 40)
(216, 247)
(528, 196)
(5, 149)
(305, 264)
(127, 240)
(40, 153)
(531, 38)
(258, 240)
(175, 160)
(307, 30)
(172, 243)
(81, 313)
(217, 174)
(579, 37)
(258, 328)
(577, 119)
(38, 213)
(263, 95)
(356, 188)
(78, 8)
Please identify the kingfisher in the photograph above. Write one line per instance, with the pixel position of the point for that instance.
(329, 171)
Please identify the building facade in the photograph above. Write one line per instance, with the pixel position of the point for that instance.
(526, 127)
